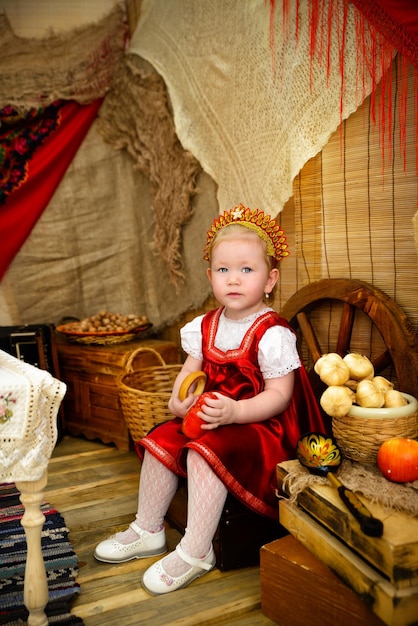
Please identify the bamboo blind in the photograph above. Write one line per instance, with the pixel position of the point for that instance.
(353, 210)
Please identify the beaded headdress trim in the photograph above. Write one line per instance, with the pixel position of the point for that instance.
(265, 227)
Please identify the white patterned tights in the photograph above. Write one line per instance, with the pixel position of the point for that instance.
(206, 498)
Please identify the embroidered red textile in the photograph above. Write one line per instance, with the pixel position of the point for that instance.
(35, 153)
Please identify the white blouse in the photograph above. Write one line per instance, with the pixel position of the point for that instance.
(277, 354)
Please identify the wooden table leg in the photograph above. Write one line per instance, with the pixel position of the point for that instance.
(35, 584)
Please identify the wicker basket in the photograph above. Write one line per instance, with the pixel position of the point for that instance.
(144, 393)
(359, 436)
(102, 339)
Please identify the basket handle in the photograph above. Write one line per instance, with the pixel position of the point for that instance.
(131, 356)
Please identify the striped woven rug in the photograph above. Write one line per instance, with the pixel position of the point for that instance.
(59, 557)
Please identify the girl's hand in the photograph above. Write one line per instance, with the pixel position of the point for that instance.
(179, 408)
(274, 399)
(218, 411)
(175, 405)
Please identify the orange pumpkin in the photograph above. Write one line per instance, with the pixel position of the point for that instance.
(397, 459)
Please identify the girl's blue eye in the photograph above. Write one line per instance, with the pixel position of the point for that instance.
(222, 270)
(246, 270)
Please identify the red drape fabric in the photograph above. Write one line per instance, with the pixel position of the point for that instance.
(397, 21)
(25, 204)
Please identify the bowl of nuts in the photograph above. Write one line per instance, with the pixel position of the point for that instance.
(105, 328)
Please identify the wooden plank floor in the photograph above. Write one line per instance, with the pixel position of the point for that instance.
(94, 487)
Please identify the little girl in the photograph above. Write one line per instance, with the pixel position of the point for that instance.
(261, 404)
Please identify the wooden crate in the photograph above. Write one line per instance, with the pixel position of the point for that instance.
(395, 607)
(395, 554)
(298, 589)
(91, 404)
(381, 571)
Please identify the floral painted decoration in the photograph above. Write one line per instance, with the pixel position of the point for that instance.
(6, 402)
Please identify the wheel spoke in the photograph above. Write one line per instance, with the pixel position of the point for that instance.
(346, 328)
(382, 361)
(309, 335)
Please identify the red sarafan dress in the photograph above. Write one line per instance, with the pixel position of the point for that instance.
(243, 456)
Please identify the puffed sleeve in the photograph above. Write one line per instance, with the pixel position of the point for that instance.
(191, 338)
(277, 352)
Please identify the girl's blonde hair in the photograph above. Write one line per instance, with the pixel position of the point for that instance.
(237, 230)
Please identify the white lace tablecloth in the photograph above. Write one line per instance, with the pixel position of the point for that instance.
(29, 403)
(251, 113)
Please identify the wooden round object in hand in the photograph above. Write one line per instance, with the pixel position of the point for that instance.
(198, 378)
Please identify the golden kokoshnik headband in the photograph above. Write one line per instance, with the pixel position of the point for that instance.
(265, 227)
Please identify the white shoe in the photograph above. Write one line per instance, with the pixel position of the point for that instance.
(148, 544)
(156, 580)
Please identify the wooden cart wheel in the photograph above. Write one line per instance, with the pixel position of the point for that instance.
(398, 336)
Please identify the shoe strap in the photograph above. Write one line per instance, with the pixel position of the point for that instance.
(193, 561)
(139, 531)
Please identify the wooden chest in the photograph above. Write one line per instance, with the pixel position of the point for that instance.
(91, 405)
(298, 589)
(383, 571)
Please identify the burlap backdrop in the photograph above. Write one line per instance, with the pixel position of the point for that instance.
(351, 215)
(91, 249)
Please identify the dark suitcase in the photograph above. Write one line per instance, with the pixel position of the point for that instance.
(32, 343)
